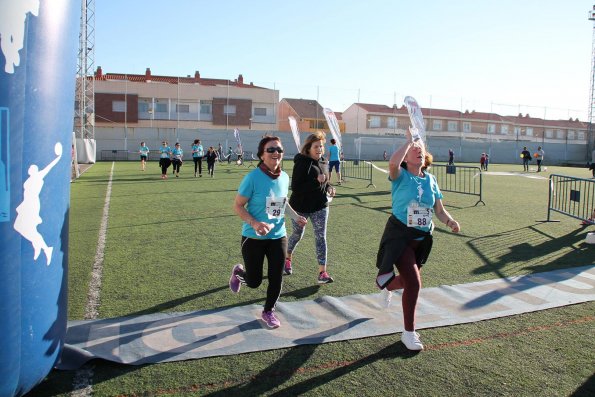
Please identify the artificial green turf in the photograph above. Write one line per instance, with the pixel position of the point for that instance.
(170, 246)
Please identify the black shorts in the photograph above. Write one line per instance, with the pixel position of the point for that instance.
(143, 157)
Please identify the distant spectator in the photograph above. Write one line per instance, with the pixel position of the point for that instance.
(482, 161)
(384, 155)
(526, 156)
(487, 162)
(451, 157)
(539, 157)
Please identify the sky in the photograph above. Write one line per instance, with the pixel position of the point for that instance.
(501, 56)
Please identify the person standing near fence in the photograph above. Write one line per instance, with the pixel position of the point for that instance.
(229, 153)
(526, 156)
(164, 159)
(539, 157)
(334, 161)
(309, 190)
(143, 150)
(198, 153)
(451, 157)
(407, 239)
(482, 161)
(487, 162)
(211, 159)
(177, 158)
(261, 203)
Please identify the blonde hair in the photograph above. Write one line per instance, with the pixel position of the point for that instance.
(315, 137)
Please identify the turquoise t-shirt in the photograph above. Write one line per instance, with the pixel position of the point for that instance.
(144, 150)
(164, 152)
(334, 153)
(257, 186)
(409, 189)
(198, 151)
(178, 153)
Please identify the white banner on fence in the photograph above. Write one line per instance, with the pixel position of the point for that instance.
(295, 131)
(333, 125)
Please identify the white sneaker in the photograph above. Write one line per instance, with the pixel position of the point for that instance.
(411, 340)
(386, 297)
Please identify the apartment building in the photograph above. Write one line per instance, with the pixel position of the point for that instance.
(308, 114)
(190, 102)
(383, 120)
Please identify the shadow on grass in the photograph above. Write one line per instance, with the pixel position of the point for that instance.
(537, 251)
(292, 363)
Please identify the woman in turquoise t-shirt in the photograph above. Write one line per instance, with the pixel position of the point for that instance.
(407, 239)
(261, 202)
(143, 150)
(198, 153)
(164, 158)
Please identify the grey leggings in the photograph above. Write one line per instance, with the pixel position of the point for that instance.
(319, 221)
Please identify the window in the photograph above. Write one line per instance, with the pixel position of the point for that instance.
(391, 122)
(571, 135)
(504, 129)
(581, 135)
(206, 107)
(467, 127)
(560, 134)
(374, 121)
(260, 111)
(143, 107)
(491, 128)
(118, 106)
(182, 108)
(161, 107)
(229, 110)
(437, 125)
(549, 133)
(529, 131)
(453, 126)
(517, 131)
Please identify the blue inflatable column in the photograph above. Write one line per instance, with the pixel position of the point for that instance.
(38, 47)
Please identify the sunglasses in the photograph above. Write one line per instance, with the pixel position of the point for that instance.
(274, 149)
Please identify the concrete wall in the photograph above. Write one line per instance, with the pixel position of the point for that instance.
(372, 147)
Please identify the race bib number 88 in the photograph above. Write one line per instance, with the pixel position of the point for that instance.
(419, 216)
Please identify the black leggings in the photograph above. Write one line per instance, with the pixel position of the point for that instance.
(164, 163)
(197, 164)
(177, 164)
(254, 252)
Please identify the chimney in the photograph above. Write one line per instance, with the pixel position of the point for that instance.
(240, 80)
(148, 74)
(196, 76)
(99, 73)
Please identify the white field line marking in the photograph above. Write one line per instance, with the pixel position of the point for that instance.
(82, 383)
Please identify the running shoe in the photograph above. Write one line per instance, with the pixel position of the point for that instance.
(411, 340)
(288, 269)
(235, 281)
(270, 320)
(386, 297)
(324, 278)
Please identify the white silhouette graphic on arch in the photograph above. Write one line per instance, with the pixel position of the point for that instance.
(12, 29)
(28, 212)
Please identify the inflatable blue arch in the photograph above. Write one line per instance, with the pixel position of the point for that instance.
(39, 40)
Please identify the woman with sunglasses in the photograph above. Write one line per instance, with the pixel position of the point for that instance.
(177, 159)
(261, 202)
(164, 158)
(310, 195)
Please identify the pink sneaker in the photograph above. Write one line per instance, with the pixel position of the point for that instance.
(324, 278)
(288, 270)
(270, 320)
(237, 276)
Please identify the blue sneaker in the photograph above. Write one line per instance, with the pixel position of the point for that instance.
(237, 276)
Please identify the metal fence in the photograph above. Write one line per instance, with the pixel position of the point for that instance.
(357, 169)
(571, 196)
(459, 179)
